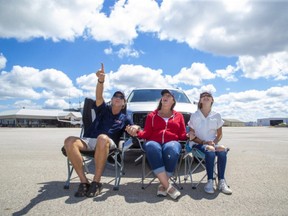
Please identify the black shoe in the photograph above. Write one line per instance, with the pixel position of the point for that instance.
(94, 189)
(82, 190)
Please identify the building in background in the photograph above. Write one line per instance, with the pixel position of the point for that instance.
(40, 118)
(233, 123)
(271, 121)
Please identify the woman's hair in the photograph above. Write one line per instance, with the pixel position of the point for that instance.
(199, 102)
(160, 104)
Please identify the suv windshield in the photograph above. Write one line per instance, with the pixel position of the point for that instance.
(153, 95)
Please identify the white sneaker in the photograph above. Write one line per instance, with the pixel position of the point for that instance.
(173, 192)
(224, 187)
(209, 187)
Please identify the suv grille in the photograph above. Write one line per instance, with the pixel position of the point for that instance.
(140, 118)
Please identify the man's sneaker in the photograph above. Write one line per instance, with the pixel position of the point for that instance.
(94, 189)
(82, 190)
(209, 187)
(224, 187)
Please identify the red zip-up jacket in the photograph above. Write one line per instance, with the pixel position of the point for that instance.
(158, 130)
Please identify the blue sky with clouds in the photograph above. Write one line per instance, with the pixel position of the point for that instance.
(51, 49)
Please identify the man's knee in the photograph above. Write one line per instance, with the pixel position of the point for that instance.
(69, 142)
(103, 142)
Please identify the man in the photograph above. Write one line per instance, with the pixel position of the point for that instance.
(105, 133)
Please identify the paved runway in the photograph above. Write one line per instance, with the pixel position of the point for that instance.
(33, 171)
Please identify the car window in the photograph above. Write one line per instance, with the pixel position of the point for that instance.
(152, 95)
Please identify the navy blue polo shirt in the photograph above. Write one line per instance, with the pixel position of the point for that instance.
(109, 124)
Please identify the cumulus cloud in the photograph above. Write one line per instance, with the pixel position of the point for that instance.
(56, 103)
(124, 21)
(3, 61)
(273, 65)
(194, 75)
(202, 26)
(47, 19)
(261, 51)
(124, 79)
(28, 82)
(246, 33)
(249, 104)
(126, 51)
(27, 104)
(228, 73)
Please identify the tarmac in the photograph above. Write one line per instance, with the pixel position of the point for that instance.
(33, 171)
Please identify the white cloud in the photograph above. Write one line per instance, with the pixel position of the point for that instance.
(273, 65)
(205, 27)
(126, 51)
(27, 104)
(55, 19)
(124, 79)
(252, 104)
(193, 75)
(55, 103)
(228, 73)
(201, 24)
(28, 82)
(3, 61)
(125, 19)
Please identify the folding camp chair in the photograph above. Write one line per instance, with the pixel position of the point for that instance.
(115, 155)
(150, 173)
(195, 155)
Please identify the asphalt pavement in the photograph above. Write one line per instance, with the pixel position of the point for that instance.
(33, 171)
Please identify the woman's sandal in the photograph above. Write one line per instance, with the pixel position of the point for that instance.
(173, 192)
(161, 191)
(82, 190)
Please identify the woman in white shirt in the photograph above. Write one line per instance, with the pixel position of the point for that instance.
(206, 132)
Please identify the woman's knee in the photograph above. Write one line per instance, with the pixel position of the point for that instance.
(210, 148)
(152, 146)
(220, 148)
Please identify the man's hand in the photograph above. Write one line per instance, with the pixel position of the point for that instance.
(132, 130)
(101, 74)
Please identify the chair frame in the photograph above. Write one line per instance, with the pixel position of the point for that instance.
(88, 155)
(145, 175)
(194, 154)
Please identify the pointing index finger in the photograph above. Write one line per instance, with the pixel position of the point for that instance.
(102, 67)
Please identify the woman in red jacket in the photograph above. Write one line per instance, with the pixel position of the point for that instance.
(163, 129)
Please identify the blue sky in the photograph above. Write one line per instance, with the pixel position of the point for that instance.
(51, 49)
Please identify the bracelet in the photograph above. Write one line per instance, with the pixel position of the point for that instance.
(100, 81)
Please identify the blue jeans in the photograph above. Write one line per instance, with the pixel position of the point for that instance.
(162, 158)
(209, 161)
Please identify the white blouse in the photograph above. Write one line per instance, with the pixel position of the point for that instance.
(205, 127)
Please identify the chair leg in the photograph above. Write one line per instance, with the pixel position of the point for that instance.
(70, 171)
(117, 171)
(144, 175)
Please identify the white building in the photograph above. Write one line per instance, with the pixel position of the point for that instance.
(39, 118)
(271, 121)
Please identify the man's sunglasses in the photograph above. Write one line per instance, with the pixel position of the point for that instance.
(119, 96)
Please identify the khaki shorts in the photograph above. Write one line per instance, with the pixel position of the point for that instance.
(91, 143)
